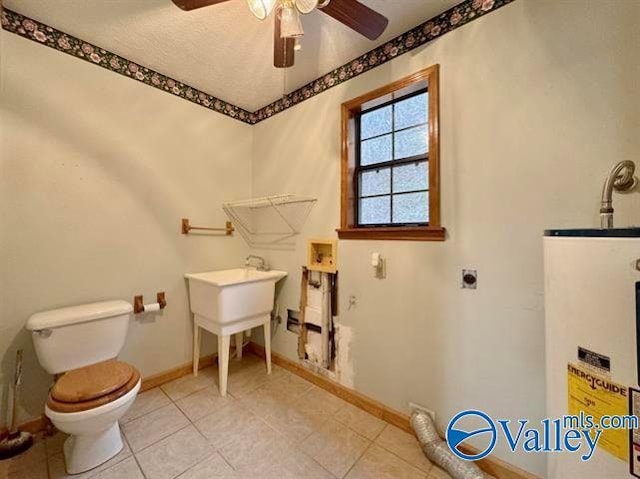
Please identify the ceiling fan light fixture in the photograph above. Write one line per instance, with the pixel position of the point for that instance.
(291, 26)
(261, 8)
(306, 6)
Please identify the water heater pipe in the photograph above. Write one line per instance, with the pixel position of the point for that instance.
(620, 178)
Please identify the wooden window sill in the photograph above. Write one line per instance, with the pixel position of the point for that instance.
(406, 233)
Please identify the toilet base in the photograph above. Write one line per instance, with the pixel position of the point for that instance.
(87, 451)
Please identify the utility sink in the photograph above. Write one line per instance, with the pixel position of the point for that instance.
(234, 294)
(229, 302)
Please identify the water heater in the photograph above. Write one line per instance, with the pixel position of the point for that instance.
(592, 295)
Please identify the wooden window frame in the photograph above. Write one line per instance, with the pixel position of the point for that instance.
(351, 110)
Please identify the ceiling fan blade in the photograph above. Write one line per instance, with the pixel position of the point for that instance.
(358, 17)
(187, 5)
(283, 48)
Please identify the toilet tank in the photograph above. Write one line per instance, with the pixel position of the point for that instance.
(77, 336)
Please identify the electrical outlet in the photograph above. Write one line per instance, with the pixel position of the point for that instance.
(418, 407)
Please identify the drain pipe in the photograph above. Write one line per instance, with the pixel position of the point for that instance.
(439, 453)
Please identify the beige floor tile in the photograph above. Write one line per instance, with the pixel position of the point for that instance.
(175, 454)
(335, 446)
(182, 387)
(294, 463)
(31, 464)
(204, 402)
(293, 422)
(251, 446)
(57, 468)
(233, 419)
(404, 445)
(55, 443)
(152, 427)
(261, 452)
(378, 463)
(321, 401)
(263, 398)
(276, 473)
(282, 413)
(146, 402)
(249, 379)
(246, 361)
(213, 467)
(238, 434)
(127, 469)
(290, 385)
(283, 460)
(246, 364)
(360, 421)
(437, 473)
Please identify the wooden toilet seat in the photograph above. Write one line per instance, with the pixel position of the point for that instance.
(92, 386)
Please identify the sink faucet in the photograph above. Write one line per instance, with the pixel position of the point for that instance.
(262, 264)
(620, 178)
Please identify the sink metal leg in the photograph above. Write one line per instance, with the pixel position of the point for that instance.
(239, 341)
(196, 348)
(223, 362)
(267, 344)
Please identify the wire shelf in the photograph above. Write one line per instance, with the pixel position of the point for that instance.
(270, 220)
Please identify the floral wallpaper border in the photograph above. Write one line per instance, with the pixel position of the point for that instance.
(436, 27)
(444, 23)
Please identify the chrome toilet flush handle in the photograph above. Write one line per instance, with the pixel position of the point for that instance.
(45, 333)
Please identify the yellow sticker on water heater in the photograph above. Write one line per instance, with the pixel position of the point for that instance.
(598, 396)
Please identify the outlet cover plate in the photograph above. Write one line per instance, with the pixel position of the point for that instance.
(469, 279)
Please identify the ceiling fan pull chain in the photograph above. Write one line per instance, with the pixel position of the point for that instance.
(284, 83)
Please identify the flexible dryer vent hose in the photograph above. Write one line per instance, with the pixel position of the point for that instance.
(439, 453)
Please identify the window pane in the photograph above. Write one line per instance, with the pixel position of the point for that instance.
(375, 123)
(411, 208)
(375, 210)
(410, 112)
(411, 142)
(375, 150)
(376, 182)
(412, 177)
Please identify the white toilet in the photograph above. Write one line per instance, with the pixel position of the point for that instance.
(92, 390)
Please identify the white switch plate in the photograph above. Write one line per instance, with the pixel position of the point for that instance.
(418, 407)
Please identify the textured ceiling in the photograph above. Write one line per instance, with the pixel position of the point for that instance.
(222, 49)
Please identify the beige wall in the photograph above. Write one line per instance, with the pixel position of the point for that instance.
(96, 172)
(537, 101)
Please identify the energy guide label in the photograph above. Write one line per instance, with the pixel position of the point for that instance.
(598, 397)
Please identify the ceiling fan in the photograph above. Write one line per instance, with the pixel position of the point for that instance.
(288, 26)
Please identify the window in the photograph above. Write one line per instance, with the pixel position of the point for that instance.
(392, 162)
(390, 184)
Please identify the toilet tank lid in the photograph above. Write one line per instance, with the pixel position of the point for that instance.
(77, 314)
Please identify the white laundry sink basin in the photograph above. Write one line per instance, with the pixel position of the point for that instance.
(234, 294)
(230, 302)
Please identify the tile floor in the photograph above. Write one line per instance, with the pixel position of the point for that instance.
(278, 426)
